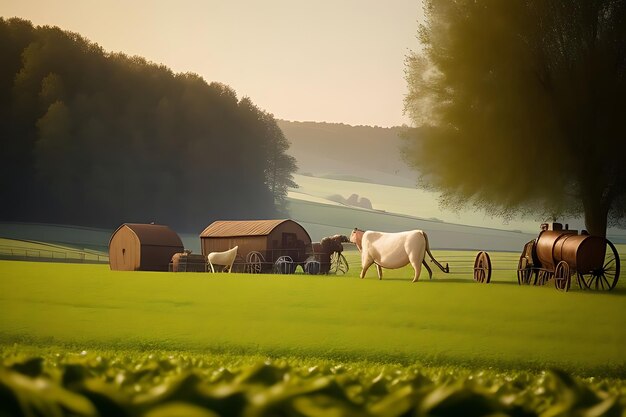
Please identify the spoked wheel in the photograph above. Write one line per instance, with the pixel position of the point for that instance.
(338, 264)
(603, 278)
(543, 276)
(525, 264)
(562, 277)
(284, 265)
(255, 262)
(482, 268)
(524, 271)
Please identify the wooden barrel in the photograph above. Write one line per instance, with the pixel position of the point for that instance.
(545, 248)
(187, 262)
(583, 253)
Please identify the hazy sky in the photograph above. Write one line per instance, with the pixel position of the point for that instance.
(322, 60)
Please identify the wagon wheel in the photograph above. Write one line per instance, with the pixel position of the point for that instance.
(338, 264)
(543, 276)
(562, 277)
(239, 265)
(312, 266)
(254, 262)
(482, 268)
(524, 271)
(604, 278)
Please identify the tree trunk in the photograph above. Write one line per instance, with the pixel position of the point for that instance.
(596, 216)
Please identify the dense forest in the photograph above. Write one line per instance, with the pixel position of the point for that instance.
(94, 138)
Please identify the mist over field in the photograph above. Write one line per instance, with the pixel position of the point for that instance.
(338, 161)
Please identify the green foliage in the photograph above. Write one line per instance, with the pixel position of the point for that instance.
(159, 383)
(519, 105)
(100, 138)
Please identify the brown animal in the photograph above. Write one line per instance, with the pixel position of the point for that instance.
(188, 262)
(332, 244)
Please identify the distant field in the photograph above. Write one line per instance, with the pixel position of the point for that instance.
(70, 238)
(401, 200)
(325, 220)
(449, 320)
(309, 204)
(28, 250)
(67, 236)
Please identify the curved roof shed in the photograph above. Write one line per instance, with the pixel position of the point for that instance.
(143, 247)
(272, 238)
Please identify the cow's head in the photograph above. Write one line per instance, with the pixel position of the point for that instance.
(356, 236)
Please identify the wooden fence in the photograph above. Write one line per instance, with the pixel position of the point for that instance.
(50, 255)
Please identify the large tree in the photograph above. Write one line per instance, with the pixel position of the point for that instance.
(520, 106)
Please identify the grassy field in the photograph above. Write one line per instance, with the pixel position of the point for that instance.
(81, 340)
(450, 319)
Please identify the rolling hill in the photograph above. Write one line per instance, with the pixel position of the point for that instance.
(357, 153)
(339, 163)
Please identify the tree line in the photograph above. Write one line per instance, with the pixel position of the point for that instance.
(95, 138)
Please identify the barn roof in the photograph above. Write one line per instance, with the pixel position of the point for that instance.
(230, 228)
(154, 234)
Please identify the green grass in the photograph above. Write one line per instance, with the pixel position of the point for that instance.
(449, 320)
(86, 341)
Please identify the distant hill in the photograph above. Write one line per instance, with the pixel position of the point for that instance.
(353, 153)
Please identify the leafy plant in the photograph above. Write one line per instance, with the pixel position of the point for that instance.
(162, 384)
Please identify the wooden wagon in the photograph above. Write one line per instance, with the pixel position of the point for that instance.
(559, 254)
(188, 262)
(326, 257)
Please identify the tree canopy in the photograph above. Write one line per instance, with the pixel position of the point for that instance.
(520, 106)
(95, 138)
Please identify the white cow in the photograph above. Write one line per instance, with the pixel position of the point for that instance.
(393, 250)
(226, 258)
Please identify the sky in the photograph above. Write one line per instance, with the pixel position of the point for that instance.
(339, 61)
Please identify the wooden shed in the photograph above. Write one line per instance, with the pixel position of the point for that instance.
(143, 247)
(272, 238)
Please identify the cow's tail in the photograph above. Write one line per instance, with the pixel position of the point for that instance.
(432, 258)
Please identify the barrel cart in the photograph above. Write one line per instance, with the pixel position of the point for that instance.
(326, 257)
(322, 259)
(559, 254)
(187, 262)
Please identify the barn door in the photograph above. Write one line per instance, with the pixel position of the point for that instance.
(126, 251)
(289, 240)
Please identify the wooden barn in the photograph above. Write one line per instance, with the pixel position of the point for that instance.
(143, 247)
(271, 238)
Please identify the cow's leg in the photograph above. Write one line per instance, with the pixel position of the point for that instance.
(379, 269)
(430, 272)
(416, 263)
(366, 262)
